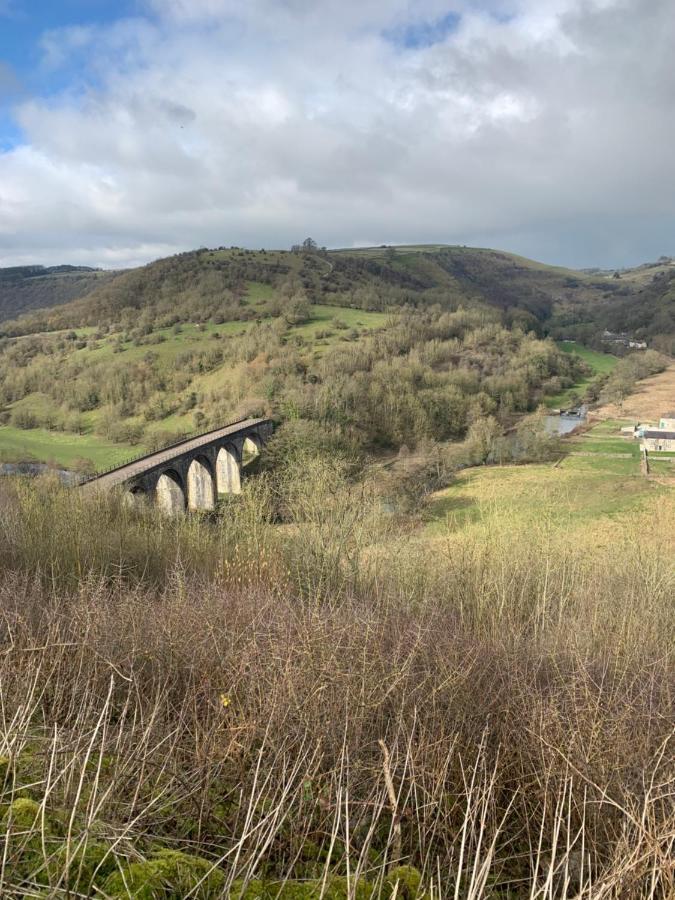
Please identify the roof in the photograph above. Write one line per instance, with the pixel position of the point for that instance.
(659, 433)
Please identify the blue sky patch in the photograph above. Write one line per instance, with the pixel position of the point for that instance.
(22, 26)
(423, 34)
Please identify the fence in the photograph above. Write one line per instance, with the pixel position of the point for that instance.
(188, 436)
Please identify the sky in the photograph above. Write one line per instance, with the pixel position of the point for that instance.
(134, 129)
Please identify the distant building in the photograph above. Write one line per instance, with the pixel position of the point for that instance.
(658, 440)
(624, 339)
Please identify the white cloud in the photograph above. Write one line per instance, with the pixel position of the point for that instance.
(544, 126)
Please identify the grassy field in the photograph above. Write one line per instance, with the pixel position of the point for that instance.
(600, 363)
(578, 492)
(335, 322)
(40, 445)
(590, 489)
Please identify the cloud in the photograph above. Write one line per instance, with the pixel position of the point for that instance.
(543, 126)
(10, 86)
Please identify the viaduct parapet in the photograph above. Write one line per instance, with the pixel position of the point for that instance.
(190, 474)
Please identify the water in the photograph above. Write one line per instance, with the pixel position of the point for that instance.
(32, 470)
(565, 424)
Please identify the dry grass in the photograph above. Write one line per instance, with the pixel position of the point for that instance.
(653, 397)
(495, 712)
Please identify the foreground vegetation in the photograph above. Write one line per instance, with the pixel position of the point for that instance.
(305, 696)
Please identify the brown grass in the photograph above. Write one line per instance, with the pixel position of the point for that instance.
(523, 691)
(653, 397)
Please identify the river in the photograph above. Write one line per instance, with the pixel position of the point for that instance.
(565, 424)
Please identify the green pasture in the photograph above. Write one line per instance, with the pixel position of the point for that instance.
(600, 363)
(326, 318)
(662, 466)
(258, 293)
(580, 491)
(608, 445)
(63, 449)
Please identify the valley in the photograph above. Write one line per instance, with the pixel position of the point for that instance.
(426, 627)
(188, 342)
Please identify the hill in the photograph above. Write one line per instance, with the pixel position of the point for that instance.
(211, 284)
(379, 347)
(24, 288)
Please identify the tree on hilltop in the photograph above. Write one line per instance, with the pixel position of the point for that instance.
(309, 245)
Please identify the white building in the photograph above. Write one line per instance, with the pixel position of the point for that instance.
(658, 439)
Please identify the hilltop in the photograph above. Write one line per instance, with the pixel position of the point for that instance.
(214, 285)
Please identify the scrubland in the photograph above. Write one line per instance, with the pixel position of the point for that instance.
(310, 695)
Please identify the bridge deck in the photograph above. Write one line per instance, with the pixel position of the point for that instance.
(139, 466)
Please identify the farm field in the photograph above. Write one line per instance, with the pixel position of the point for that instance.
(60, 448)
(599, 489)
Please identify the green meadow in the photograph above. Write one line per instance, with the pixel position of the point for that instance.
(60, 448)
(598, 478)
(600, 363)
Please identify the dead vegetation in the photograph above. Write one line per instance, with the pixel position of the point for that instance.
(651, 398)
(279, 713)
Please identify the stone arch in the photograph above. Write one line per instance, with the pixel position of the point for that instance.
(170, 494)
(135, 496)
(228, 470)
(201, 489)
(251, 447)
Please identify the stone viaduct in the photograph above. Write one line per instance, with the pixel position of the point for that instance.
(192, 473)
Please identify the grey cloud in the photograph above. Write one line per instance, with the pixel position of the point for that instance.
(542, 126)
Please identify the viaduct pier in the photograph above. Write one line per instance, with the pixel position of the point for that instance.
(192, 473)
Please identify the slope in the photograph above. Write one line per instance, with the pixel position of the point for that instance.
(25, 288)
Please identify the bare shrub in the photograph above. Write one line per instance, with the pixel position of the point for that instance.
(231, 702)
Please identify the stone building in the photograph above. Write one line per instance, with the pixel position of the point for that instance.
(657, 440)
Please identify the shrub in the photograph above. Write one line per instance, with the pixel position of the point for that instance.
(24, 418)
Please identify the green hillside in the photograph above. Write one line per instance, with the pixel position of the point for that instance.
(24, 288)
(379, 348)
(212, 285)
